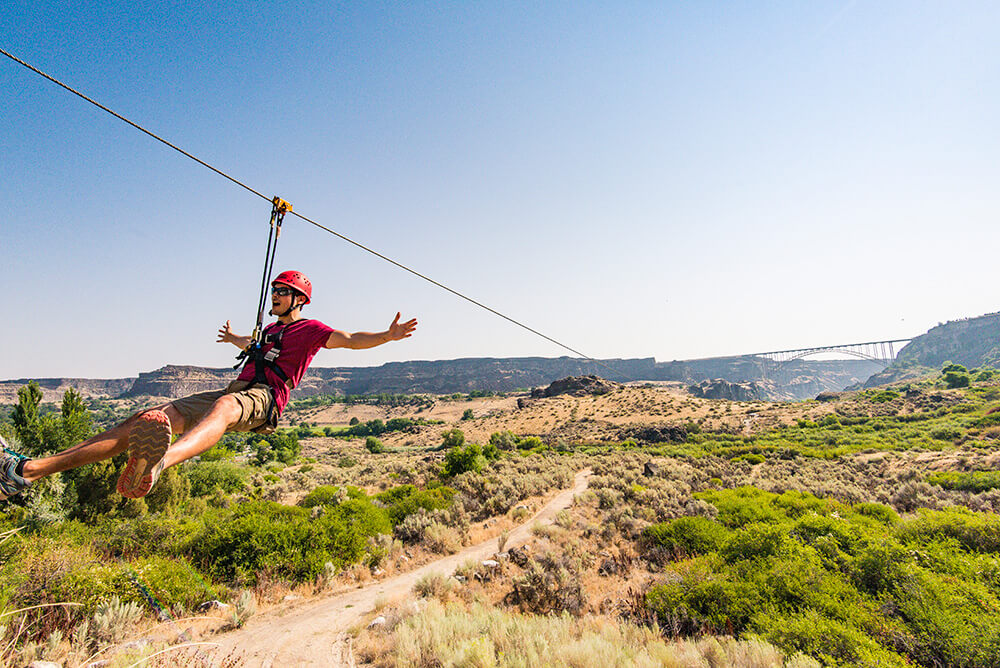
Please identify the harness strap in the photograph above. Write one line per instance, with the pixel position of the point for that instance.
(268, 360)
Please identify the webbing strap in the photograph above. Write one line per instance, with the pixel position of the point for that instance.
(279, 208)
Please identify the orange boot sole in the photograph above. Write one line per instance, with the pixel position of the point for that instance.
(148, 440)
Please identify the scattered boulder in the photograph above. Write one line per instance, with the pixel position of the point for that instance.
(828, 396)
(212, 605)
(723, 389)
(378, 621)
(519, 556)
(608, 567)
(578, 386)
(651, 469)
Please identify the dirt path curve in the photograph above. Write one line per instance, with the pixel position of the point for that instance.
(311, 634)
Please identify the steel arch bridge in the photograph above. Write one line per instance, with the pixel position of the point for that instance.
(880, 352)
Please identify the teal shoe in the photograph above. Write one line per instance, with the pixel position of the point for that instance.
(11, 484)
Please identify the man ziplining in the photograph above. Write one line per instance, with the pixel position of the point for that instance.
(252, 402)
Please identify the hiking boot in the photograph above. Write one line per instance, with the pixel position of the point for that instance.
(11, 484)
(148, 440)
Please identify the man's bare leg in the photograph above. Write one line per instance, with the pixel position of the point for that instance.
(225, 412)
(103, 446)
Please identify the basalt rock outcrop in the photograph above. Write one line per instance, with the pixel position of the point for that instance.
(578, 386)
(718, 388)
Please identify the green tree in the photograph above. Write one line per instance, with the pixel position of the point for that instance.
(468, 414)
(453, 438)
(95, 488)
(76, 424)
(27, 423)
(373, 445)
(460, 460)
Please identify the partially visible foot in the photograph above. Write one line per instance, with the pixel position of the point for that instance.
(148, 440)
(11, 482)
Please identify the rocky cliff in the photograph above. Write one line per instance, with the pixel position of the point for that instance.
(797, 380)
(723, 389)
(971, 342)
(54, 388)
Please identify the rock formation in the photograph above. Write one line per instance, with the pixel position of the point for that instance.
(578, 386)
(723, 389)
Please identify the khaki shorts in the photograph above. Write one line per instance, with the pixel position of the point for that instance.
(258, 412)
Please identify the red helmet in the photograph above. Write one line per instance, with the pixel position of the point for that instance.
(296, 280)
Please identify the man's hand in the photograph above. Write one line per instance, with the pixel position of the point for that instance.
(226, 335)
(399, 331)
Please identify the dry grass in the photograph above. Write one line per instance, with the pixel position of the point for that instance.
(459, 634)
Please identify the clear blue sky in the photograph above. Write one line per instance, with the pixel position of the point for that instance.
(635, 178)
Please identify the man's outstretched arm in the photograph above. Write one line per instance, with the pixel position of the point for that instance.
(362, 340)
(226, 335)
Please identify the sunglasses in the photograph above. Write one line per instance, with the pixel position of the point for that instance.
(282, 291)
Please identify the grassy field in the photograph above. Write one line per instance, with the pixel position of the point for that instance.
(859, 531)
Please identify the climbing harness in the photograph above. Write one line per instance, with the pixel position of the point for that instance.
(269, 360)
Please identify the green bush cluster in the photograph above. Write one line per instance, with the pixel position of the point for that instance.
(206, 478)
(974, 481)
(837, 435)
(846, 585)
(373, 445)
(284, 541)
(955, 375)
(405, 500)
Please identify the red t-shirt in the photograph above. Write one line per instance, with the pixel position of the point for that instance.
(300, 342)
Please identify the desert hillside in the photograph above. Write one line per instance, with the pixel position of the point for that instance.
(661, 526)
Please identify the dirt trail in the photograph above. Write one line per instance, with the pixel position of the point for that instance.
(311, 634)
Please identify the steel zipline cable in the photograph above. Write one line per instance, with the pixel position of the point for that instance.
(304, 218)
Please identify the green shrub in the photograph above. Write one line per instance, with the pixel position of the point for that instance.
(882, 396)
(491, 452)
(974, 531)
(955, 379)
(406, 499)
(833, 642)
(756, 541)
(686, 535)
(128, 538)
(207, 477)
(975, 481)
(750, 458)
(453, 438)
(324, 495)
(503, 440)
(529, 443)
(460, 460)
(878, 512)
(373, 445)
(265, 537)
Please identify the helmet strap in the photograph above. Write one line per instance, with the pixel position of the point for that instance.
(292, 307)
